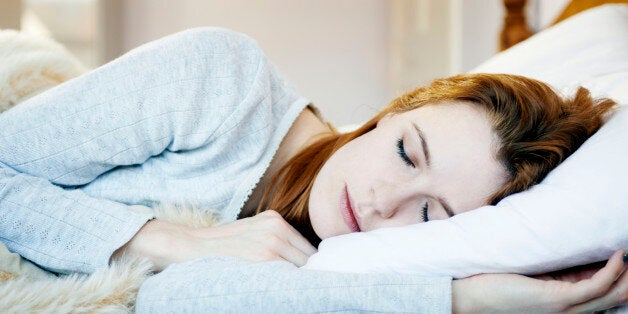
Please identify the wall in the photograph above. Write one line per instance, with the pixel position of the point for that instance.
(10, 14)
(419, 42)
(478, 17)
(478, 24)
(350, 57)
(334, 51)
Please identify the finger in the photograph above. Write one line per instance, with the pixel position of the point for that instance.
(290, 253)
(299, 241)
(617, 295)
(292, 235)
(601, 282)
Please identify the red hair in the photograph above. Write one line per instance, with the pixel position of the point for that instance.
(537, 130)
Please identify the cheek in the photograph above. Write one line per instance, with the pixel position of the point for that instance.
(322, 202)
(412, 216)
(367, 150)
(365, 162)
(407, 218)
(344, 161)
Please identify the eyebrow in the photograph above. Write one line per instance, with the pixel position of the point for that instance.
(426, 152)
(446, 206)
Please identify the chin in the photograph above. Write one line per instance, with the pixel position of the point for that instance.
(318, 226)
(322, 227)
(327, 231)
(323, 206)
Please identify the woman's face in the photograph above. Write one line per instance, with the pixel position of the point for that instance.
(437, 160)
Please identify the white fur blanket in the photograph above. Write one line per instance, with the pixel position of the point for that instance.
(30, 65)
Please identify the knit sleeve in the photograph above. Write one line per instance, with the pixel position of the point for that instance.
(219, 284)
(119, 115)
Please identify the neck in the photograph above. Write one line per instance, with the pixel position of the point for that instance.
(305, 130)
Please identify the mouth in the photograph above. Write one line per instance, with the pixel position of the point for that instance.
(348, 215)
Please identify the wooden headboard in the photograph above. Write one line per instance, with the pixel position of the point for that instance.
(516, 29)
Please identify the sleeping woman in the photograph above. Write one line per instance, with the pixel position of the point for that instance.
(203, 117)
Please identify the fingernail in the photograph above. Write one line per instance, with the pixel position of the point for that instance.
(625, 256)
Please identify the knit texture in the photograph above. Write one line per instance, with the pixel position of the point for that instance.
(218, 284)
(195, 117)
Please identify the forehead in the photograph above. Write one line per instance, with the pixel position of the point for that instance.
(463, 149)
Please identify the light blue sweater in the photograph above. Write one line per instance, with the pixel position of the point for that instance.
(194, 117)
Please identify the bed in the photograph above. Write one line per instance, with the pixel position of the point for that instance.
(516, 27)
(589, 49)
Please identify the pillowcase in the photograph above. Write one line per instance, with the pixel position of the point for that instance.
(576, 215)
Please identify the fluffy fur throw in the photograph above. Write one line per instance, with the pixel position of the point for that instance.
(30, 65)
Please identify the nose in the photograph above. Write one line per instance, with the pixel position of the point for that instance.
(389, 200)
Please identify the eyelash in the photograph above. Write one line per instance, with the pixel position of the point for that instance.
(402, 153)
(424, 213)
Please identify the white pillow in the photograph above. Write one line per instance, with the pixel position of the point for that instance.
(589, 49)
(577, 215)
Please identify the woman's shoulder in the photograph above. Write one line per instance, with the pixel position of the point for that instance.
(215, 39)
(215, 46)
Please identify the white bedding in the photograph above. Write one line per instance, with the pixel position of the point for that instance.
(577, 215)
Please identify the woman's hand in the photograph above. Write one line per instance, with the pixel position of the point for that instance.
(263, 237)
(604, 289)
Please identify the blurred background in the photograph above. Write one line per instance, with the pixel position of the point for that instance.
(350, 57)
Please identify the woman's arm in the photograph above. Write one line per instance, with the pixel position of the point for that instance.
(174, 94)
(225, 284)
(219, 284)
(63, 231)
(576, 291)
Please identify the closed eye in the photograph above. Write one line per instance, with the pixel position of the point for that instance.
(402, 153)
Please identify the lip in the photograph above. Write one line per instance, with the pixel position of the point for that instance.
(348, 215)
